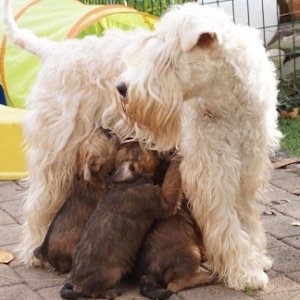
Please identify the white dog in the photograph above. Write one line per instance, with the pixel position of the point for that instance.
(198, 82)
(206, 85)
(74, 87)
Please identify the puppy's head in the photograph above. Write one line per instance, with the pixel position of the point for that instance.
(133, 162)
(96, 157)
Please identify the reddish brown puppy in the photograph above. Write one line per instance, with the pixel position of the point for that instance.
(170, 256)
(95, 159)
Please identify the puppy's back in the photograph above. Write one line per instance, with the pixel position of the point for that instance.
(67, 228)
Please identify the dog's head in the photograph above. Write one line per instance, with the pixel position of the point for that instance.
(195, 52)
(134, 162)
(96, 157)
(177, 62)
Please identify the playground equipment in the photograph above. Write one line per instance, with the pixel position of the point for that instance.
(56, 20)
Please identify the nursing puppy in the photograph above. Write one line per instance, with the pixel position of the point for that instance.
(171, 255)
(95, 159)
(109, 247)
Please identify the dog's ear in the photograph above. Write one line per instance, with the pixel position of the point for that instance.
(87, 172)
(195, 33)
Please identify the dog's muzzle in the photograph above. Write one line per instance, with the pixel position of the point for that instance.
(122, 89)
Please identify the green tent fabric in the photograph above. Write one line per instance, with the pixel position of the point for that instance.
(57, 20)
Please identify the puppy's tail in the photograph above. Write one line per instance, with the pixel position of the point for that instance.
(24, 38)
(149, 289)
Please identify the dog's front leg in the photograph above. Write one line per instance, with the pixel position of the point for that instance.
(211, 180)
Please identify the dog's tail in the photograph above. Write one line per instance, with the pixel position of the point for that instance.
(149, 289)
(24, 38)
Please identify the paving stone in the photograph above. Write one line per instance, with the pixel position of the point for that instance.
(10, 234)
(8, 276)
(282, 174)
(280, 226)
(290, 183)
(261, 207)
(271, 274)
(291, 209)
(215, 291)
(295, 276)
(277, 194)
(6, 182)
(286, 259)
(51, 293)
(19, 292)
(279, 284)
(134, 294)
(38, 278)
(10, 190)
(272, 242)
(5, 218)
(14, 209)
(293, 241)
(291, 295)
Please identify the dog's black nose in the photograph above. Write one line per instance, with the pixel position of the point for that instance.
(122, 89)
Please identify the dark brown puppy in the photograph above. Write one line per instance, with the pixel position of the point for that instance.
(170, 256)
(171, 252)
(95, 159)
(109, 247)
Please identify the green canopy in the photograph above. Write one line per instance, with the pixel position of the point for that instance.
(57, 20)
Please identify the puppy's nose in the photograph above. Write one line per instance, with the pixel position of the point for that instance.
(122, 89)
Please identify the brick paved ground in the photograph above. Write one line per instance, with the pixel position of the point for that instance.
(282, 209)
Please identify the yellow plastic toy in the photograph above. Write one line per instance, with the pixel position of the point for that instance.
(12, 156)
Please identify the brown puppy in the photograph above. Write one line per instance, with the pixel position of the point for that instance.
(109, 247)
(170, 256)
(171, 252)
(95, 159)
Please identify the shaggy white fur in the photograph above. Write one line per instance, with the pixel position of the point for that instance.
(75, 86)
(206, 85)
(197, 82)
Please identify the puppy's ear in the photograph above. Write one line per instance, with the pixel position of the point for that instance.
(85, 175)
(86, 172)
(194, 33)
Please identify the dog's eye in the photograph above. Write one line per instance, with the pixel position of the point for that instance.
(122, 89)
(131, 167)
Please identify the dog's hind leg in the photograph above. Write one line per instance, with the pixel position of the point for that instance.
(191, 281)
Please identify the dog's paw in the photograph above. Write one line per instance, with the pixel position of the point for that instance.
(68, 292)
(267, 262)
(256, 280)
(38, 263)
